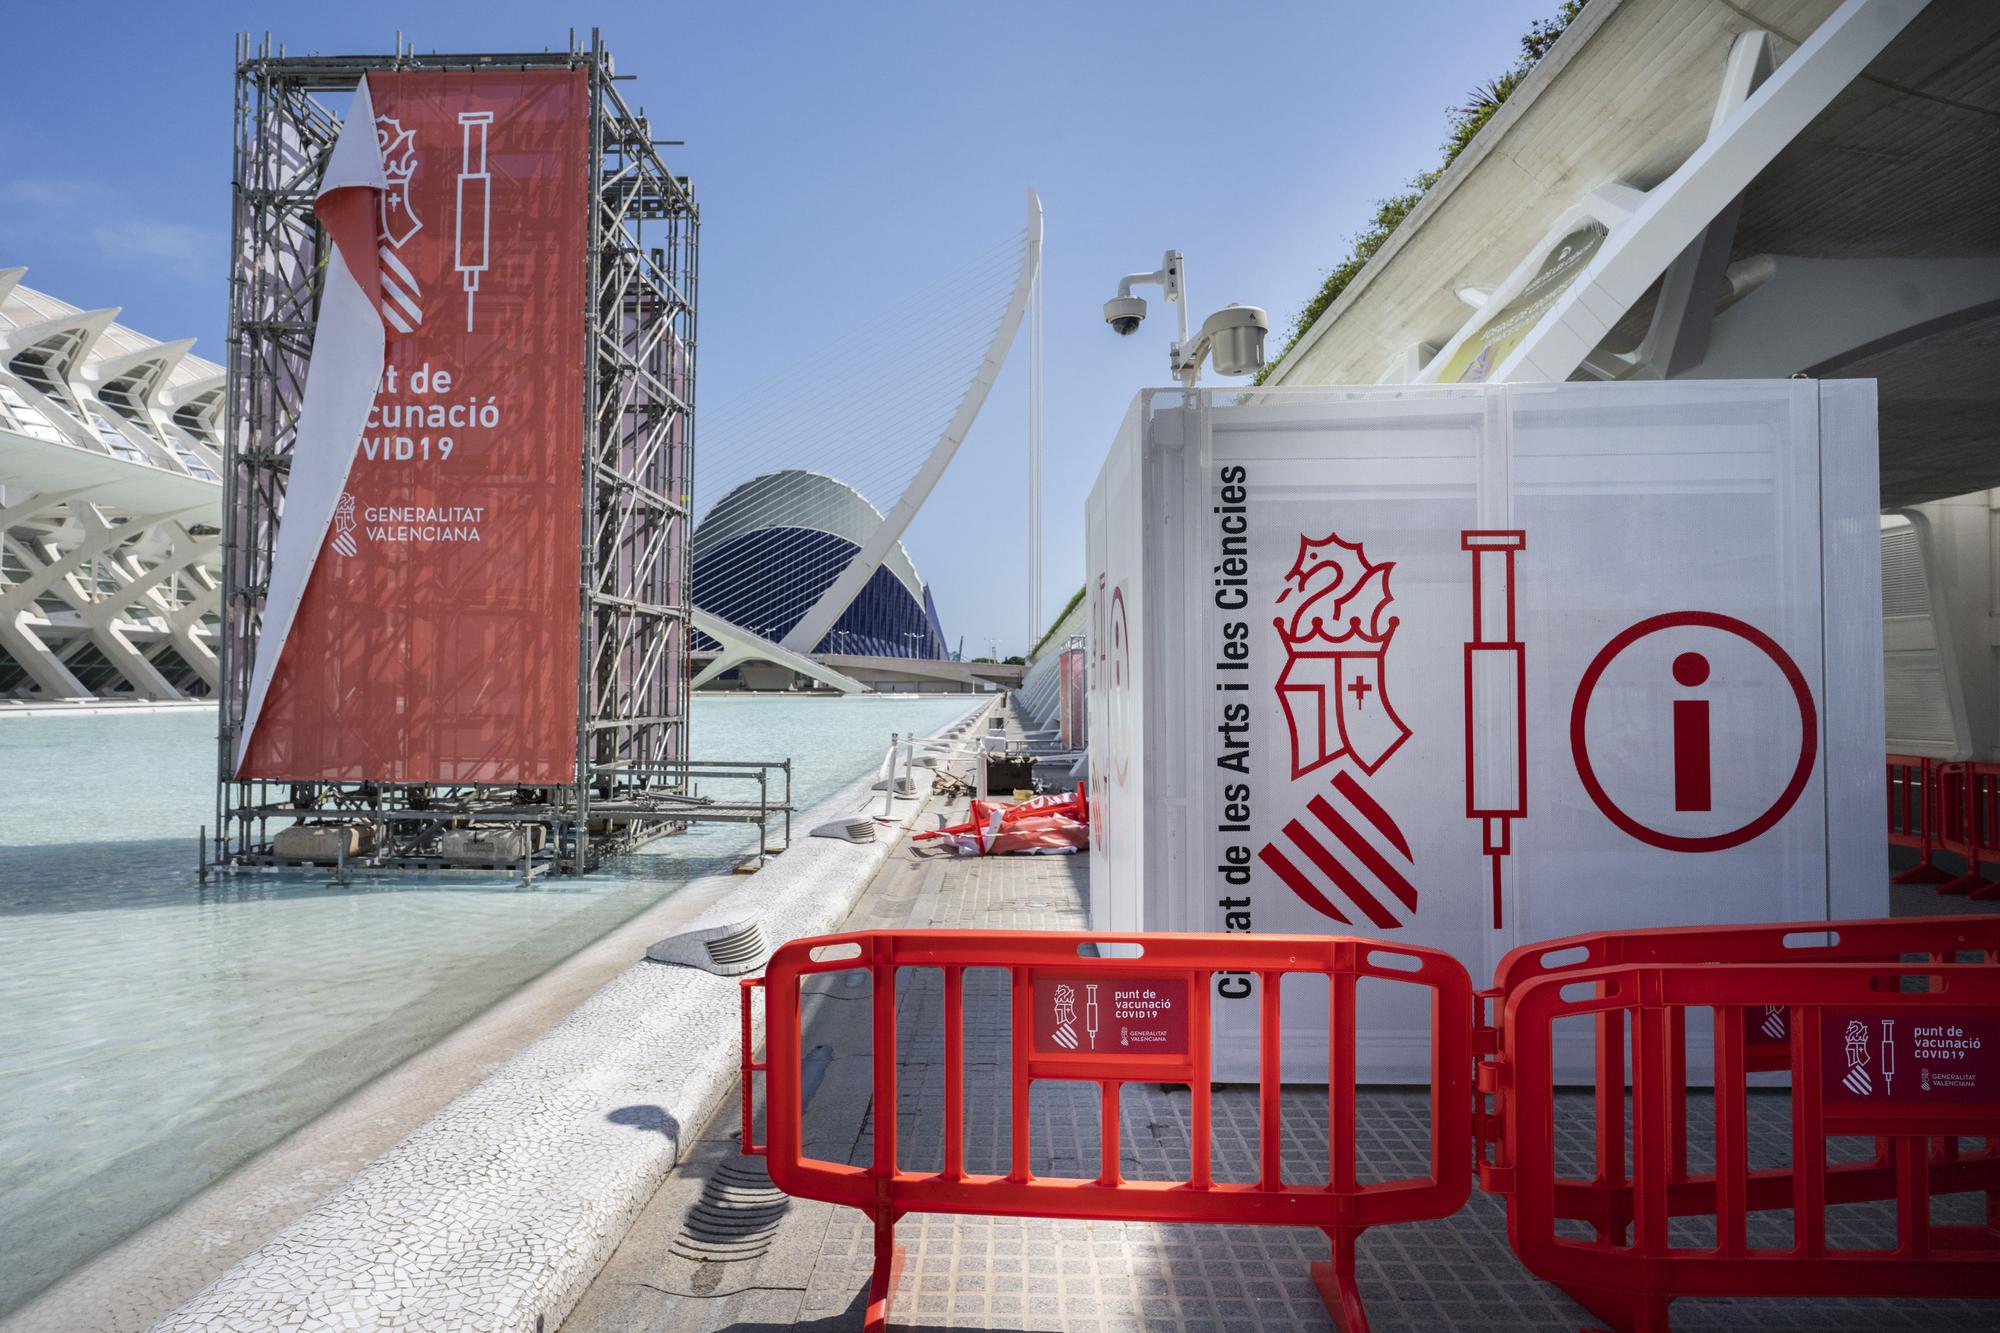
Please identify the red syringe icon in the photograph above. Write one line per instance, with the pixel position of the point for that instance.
(1090, 1014)
(1496, 735)
(475, 206)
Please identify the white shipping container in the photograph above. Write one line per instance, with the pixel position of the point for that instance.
(1473, 666)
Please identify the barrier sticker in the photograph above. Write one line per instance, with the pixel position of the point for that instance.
(1764, 1023)
(1910, 1056)
(1110, 1016)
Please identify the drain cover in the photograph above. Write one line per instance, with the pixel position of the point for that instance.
(737, 951)
(848, 830)
(728, 950)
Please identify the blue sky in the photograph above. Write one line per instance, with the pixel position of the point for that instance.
(845, 155)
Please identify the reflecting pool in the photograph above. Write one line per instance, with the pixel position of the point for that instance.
(155, 1033)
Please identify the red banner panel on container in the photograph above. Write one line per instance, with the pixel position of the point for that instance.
(436, 640)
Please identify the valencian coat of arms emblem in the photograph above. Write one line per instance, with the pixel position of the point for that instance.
(402, 294)
(1336, 636)
(399, 162)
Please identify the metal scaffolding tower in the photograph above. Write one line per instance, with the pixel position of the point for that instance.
(633, 779)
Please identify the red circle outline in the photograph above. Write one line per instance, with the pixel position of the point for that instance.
(1756, 638)
(1121, 634)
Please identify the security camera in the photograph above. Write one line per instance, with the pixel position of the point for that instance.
(1123, 313)
(1234, 336)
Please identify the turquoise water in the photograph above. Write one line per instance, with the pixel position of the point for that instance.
(157, 1033)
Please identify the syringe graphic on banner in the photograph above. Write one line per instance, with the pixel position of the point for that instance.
(1090, 1014)
(475, 207)
(1496, 736)
(1888, 1056)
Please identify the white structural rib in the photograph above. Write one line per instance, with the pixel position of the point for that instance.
(840, 594)
(1665, 221)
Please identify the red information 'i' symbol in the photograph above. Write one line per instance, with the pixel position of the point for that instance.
(1691, 762)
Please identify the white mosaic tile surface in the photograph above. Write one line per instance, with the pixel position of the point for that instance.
(496, 1214)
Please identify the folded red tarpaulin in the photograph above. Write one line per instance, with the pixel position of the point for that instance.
(1054, 822)
(1051, 833)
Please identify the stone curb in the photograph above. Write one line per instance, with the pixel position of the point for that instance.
(498, 1212)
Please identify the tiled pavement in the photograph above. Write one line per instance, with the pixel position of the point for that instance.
(1086, 1277)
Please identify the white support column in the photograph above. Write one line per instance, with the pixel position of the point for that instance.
(18, 602)
(206, 604)
(27, 648)
(889, 776)
(1674, 213)
(74, 578)
(203, 609)
(141, 591)
(104, 613)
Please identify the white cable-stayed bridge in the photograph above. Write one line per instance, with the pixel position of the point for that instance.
(806, 487)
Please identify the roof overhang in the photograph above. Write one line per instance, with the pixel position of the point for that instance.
(1865, 245)
(138, 488)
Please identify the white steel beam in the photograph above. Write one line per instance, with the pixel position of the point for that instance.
(1678, 333)
(1674, 213)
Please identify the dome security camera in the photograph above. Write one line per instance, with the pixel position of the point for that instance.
(1123, 314)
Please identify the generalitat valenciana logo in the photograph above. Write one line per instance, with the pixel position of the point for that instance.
(343, 526)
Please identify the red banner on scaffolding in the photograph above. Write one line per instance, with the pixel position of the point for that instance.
(436, 637)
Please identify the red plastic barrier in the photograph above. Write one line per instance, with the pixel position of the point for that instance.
(1053, 994)
(1912, 799)
(1945, 805)
(1605, 1198)
(1866, 1058)
(1970, 798)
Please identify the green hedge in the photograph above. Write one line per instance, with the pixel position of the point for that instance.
(1465, 122)
(1056, 624)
